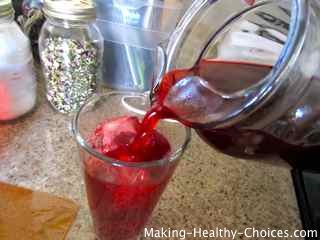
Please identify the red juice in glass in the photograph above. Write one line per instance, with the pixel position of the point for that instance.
(127, 164)
(120, 209)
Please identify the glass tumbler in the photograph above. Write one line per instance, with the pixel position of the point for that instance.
(122, 195)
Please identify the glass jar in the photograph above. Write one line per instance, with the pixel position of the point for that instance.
(277, 114)
(31, 20)
(71, 48)
(18, 81)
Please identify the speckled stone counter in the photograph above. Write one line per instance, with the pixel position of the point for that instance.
(208, 190)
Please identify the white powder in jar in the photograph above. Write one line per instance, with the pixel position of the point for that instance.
(17, 90)
(17, 78)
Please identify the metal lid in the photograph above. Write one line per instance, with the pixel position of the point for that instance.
(76, 10)
(6, 8)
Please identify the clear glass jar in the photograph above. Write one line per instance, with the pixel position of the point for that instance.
(278, 114)
(71, 48)
(18, 81)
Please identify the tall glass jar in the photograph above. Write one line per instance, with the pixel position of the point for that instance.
(71, 48)
(17, 78)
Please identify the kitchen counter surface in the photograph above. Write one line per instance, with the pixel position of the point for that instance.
(208, 190)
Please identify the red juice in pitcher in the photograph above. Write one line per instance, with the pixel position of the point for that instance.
(229, 77)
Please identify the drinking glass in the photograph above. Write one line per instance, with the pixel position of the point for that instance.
(122, 195)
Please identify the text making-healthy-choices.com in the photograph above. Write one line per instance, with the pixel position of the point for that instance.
(250, 232)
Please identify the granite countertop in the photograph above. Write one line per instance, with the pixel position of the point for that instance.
(208, 190)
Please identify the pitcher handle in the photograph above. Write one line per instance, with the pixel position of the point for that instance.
(161, 70)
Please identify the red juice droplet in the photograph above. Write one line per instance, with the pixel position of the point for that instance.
(249, 2)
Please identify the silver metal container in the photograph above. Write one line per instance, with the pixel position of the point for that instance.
(132, 30)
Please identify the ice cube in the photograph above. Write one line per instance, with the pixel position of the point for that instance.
(119, 132)
(122, 139)
(193, 100)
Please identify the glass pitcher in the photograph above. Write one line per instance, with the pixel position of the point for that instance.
(277, 115)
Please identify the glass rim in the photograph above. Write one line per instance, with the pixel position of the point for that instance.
(173, 156)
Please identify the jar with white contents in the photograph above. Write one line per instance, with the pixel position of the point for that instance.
(17, 78)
